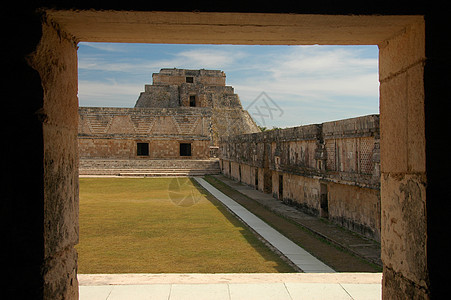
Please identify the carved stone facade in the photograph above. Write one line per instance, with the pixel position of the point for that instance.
(330, 169)
(121, 133)
(180, 116)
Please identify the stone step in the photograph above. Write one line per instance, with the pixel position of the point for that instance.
(150, 170)
(137, 167)
(139, 174)
(134, 172)
(148, 163)
(166, 174)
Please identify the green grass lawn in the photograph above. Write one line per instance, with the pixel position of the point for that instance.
(163, 225)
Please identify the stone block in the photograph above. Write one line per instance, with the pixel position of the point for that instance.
(416, 141)
(403, 226)
(60, 189)
(56, 61)
(60, 276)
(402, 51)
(394, 124)
(402, 122)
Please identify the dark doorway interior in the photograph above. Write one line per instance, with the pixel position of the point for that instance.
(324, 201)
(280, 187)
(192, 101)
(256, 178)
(239, 172)
(142, 149)
(185, 149)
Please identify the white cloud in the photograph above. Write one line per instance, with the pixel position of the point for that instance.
(100, 64)
(316, 60)
(100, 93)
(195, 59)
(314, 72)
(206, 59)
(315, 84)
(108, 47)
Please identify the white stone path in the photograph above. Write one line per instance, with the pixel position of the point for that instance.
(297, 255)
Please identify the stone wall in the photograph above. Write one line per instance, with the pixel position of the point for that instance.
(329, 169)
(115, 132)
(230, 122)
(194, 90)
(178, 76)
(175, 87)
(172, 96)
(107, 132)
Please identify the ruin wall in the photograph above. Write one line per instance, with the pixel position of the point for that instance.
(115, 132)
(178, 76)
(329, 170)
(178, 95)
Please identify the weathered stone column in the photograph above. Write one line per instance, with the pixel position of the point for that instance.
(55, 59)
(403, 165)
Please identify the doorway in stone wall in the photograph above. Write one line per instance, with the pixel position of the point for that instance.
(281, 187)
(239, 172)
(324, 201)
(256, 178)
(362, 36)
(185, 149)
(192, 101)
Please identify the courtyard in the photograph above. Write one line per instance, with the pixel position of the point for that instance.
(199, 250)
(174, 225)
(164, 225)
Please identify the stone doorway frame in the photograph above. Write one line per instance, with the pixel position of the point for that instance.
(401, 41)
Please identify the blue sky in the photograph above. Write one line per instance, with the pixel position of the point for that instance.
(307, 84)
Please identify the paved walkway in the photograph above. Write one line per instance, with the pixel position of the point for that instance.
(280, 286)
(361, 246)
(297, 255)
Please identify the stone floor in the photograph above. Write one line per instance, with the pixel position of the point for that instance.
(231, 286)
